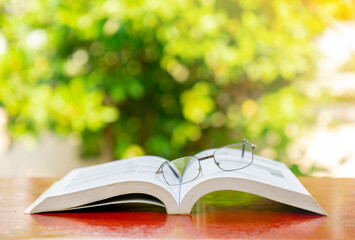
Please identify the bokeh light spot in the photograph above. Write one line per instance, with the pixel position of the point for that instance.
(218, 119)
(133, 151)
(80, 57)
(3, 45)
(249, 108)
(36, 39)
(111, 26)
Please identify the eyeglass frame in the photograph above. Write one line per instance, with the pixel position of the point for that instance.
(245, 141)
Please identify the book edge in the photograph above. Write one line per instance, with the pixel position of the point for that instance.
(244, 185)
(43, 201)
(40, 199)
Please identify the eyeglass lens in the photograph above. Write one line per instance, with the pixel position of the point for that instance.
(234, 157)
(181, 170)
(228, 158)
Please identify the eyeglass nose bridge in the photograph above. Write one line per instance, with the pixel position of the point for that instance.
(160, 169)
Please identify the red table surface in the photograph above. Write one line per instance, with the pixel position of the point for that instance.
(220, 216)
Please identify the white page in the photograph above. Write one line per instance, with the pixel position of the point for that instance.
(134, 169)
(261, 170)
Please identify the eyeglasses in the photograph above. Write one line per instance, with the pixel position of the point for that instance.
(228, 158)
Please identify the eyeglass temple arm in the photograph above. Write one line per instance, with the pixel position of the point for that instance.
(205, 157)
(252, 146)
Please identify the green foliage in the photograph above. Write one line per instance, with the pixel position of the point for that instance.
(158, 77)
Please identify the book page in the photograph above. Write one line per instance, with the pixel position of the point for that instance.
(128, 170)
(261, 170)
(129, 198)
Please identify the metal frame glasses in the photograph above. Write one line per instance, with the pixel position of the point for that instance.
(226, 158)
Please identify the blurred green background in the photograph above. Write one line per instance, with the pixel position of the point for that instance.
(167, 78)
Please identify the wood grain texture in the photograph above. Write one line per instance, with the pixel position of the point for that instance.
(222, 215)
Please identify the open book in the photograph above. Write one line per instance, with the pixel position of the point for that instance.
(135, 181)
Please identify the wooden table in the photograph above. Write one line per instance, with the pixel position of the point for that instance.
(228, 215)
